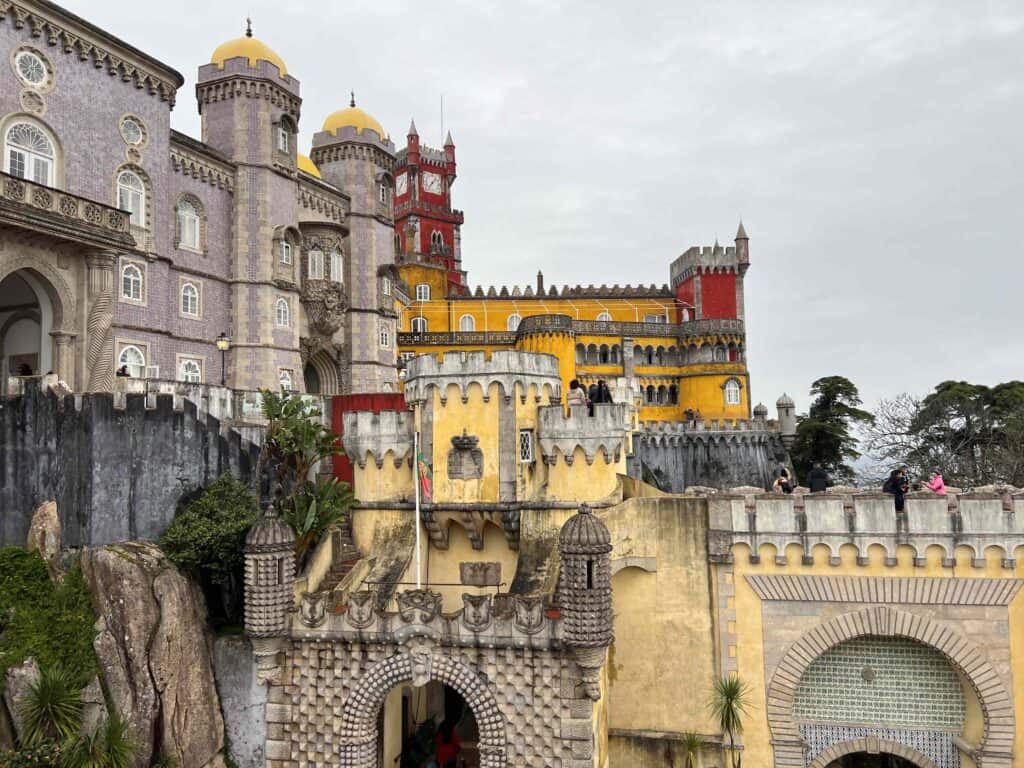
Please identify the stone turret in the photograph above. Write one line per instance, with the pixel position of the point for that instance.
(269, 576)
(585, 593)
(787, 419)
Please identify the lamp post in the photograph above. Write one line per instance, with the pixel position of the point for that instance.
(223, 344)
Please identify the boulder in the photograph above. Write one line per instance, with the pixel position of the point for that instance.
(155, 653)
(44, 536)
(16, 683)
(94, 707)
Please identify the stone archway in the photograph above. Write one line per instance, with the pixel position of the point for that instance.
(871, 746)
(325, 369)
(996, 706)
(359, 718)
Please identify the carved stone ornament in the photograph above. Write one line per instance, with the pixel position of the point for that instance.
(419, 605)
(325, 306)
(465, 459)
(529, 614)
(360, 609)
(480, 574)
(313, 609)
(267, 652)
(421, 657)
(476, 612)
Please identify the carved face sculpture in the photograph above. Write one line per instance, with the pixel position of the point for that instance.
(476, 612)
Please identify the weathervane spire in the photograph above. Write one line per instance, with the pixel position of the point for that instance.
(248, 26)
(352, 103)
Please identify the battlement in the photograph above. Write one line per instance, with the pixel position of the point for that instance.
(669, 428)
(705, 259)
(378, 434)
(616, 291)
(493, 621)
(428, 156)
(505, 367)
(559, 433)
(979, 520)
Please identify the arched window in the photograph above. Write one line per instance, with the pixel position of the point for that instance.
(29, 153)
(398, 243)
(604, 317)
(720, 354)
(282, 137)
(662, 395)
(467, 323)
(188, 225)
(732, 392)
(131, 282)
(189, 299)
(283, 313)
(190, 370)
(132, 357)
(650, 393)
(649, 355)
(673, 395)
(603, 355)
(286, 252)
(337, 266)
(315, 264)
(436, 238)
(419, 325)
(384, 334)
(131, 197)
(422, 292)
(513, 322)
(382, 191)
(285, 378)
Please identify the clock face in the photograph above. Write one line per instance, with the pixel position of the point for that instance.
(432, 183)
(401, 185)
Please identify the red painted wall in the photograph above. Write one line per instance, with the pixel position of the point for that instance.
(718, 294)
(684, 293)
(340, 404)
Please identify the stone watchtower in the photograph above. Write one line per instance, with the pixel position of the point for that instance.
(354, 154)
(250, 112)
(269, 576)
(585, 594)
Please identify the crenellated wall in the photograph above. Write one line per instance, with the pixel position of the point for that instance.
(461, 369)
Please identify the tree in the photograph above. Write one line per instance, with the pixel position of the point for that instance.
(974, 434)
(296, 442)
(728, 703)
(207, 540)
(691, 743)
(824, 435)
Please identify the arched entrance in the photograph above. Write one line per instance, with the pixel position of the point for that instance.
(415, 721)
(26, 320)
(361, 725)
(321, 375)
(985, 684)
(869, 752)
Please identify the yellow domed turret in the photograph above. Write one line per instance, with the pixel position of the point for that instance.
(247, 47)
(353, 117)
(307, 165)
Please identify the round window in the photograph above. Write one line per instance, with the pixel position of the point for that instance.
(132, 132)
(30, 68)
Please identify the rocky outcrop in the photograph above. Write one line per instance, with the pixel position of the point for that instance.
(16, 682)
(155, 653)
(44, 536)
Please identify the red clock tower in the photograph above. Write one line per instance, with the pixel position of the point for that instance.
(426, 225)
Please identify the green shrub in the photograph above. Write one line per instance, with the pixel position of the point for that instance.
(51, 622)
(48, 755)
(51, 709)
(109, 746)
(207, 538)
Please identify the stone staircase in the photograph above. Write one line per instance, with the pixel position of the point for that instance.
(345, 555)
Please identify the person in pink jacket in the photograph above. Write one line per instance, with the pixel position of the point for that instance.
(936, 484)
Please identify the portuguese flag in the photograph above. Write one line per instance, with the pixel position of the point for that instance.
(426, 477)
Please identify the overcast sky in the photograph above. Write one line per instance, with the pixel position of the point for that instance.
(875, 151)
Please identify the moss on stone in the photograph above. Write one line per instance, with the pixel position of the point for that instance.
(48, 621)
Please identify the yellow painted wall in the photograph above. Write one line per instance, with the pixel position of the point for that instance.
(705, 392)
(583, 481)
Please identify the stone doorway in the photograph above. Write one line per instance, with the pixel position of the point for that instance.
(864, 760)
(414, 720)
(26, 319)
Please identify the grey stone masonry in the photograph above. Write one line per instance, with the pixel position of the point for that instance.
(462, 369)
(560, 434)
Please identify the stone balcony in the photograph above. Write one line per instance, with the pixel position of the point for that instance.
(27, 205)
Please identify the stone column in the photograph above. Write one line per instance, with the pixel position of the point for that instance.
(63, 362)
(99, 360)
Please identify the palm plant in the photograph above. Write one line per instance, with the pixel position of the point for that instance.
(728, 703)
(691, 743)
(51, 708)
(109, 746)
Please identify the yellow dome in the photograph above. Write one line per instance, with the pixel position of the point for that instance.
(353, 117)
(250, 48)
(307, 165)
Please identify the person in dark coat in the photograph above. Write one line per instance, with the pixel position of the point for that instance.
(896, 485)
(604, 395)
(818, 479)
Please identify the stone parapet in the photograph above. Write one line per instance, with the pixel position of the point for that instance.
(485, 621)
(505, 367)
(377, 434)
(868, 518)
(559, 433)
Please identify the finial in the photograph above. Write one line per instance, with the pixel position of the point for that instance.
(741, 233)
(248, 27)
(352, 103)
(584, 509)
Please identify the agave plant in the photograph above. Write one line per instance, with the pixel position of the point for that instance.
(728, 703)
(691, 743)
(51, 708)
(109, 746)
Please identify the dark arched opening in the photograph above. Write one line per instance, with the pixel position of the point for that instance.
(312, 379)
(865, 760)
(435, 724)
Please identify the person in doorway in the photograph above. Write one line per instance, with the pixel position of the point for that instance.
(936, 484)
(575, 395)
(122, 372)
(897, 486)
(782, 483)
(818, 479)
(448, 746)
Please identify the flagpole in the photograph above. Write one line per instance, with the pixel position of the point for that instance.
(416, 482)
